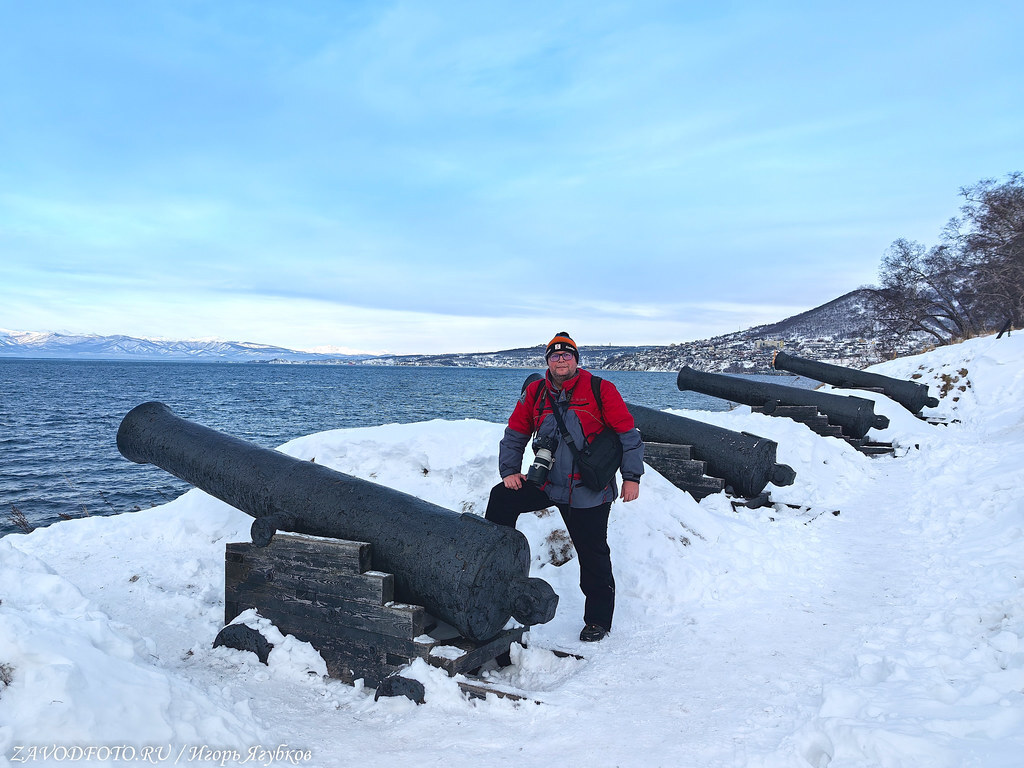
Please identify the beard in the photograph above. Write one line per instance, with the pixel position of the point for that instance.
(560, 379)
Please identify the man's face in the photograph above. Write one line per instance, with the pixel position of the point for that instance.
(562, 365)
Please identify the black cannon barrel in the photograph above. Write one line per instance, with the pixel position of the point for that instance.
(855, 415)
(463, 569)
(746, 462)
(909, 394)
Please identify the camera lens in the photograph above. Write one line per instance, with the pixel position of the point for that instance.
(544, 459)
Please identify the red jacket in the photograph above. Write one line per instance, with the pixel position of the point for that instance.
(527, 416)
(584, 419)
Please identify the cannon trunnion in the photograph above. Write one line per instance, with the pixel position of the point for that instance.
(909, 394)
(462, 569)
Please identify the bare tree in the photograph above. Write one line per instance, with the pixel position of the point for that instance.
(990, 231)
(924, 290)
(972, 282)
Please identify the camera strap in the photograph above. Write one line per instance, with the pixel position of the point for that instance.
(599, 460)
(595, 385)
(563, 429)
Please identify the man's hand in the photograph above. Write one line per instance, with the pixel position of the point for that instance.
(514, 482)
(630, 490)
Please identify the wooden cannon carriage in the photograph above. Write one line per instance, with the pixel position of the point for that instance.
(373, 570)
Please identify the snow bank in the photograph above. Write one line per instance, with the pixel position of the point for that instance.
(889, 634)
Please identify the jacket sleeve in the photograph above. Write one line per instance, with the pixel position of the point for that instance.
(510, 452)
(632, 466)
(517, 434)
(618, 417)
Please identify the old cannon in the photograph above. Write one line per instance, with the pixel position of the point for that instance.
(909, 394)
(745, 462)
(854, 415)
(461, 568)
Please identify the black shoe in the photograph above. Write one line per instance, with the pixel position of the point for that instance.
(592, 633)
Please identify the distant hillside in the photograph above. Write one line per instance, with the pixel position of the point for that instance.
(847, 317)
(47, 344)
(840, 331)
(28, 344)
(522, 357)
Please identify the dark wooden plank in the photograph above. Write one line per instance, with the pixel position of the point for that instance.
(395, 619)
(349, 654)
(353, 662)
(481, 690)
(688, 476)
(231, 610)
(678, 471)
(871, 448)
(370, 593)
(826, 430)
(347, 658)
(700, 487)
(370, 586)
(346, 556)
(323, 591)
(360, 654)
(701, 491)
(667, 451)
(795, 412)
(474, 655)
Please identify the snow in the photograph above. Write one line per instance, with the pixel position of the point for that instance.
(887, 635)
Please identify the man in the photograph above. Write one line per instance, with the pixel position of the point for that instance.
(585, 411)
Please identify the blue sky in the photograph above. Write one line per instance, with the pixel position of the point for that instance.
(469, 176)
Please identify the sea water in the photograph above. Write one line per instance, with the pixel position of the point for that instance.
(59, 418)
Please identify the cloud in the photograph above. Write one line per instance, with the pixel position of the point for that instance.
(650, 168)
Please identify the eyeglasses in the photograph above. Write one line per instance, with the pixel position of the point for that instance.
(561, 356)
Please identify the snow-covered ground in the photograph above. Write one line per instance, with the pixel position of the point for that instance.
(887, 635)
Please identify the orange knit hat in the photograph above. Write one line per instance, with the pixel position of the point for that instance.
(562, 343)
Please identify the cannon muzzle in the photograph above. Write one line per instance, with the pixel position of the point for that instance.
(909, 394)
(461, 568)
(854, 415)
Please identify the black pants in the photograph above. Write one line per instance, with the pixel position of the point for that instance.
(588, 529)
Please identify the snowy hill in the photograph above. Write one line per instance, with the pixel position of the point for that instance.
(521, 357)
(48, 344)
(841, 331)
(847, 317)
(889, 634)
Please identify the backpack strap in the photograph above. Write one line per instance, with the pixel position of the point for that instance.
(557, 412)
(595, 384)
(537, 406)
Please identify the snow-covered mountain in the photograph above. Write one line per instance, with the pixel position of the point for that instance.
(26, 344)
(521, 357)
(840, 331)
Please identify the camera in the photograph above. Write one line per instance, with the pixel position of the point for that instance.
(544, 458)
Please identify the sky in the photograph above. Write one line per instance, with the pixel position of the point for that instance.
(424, 177)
